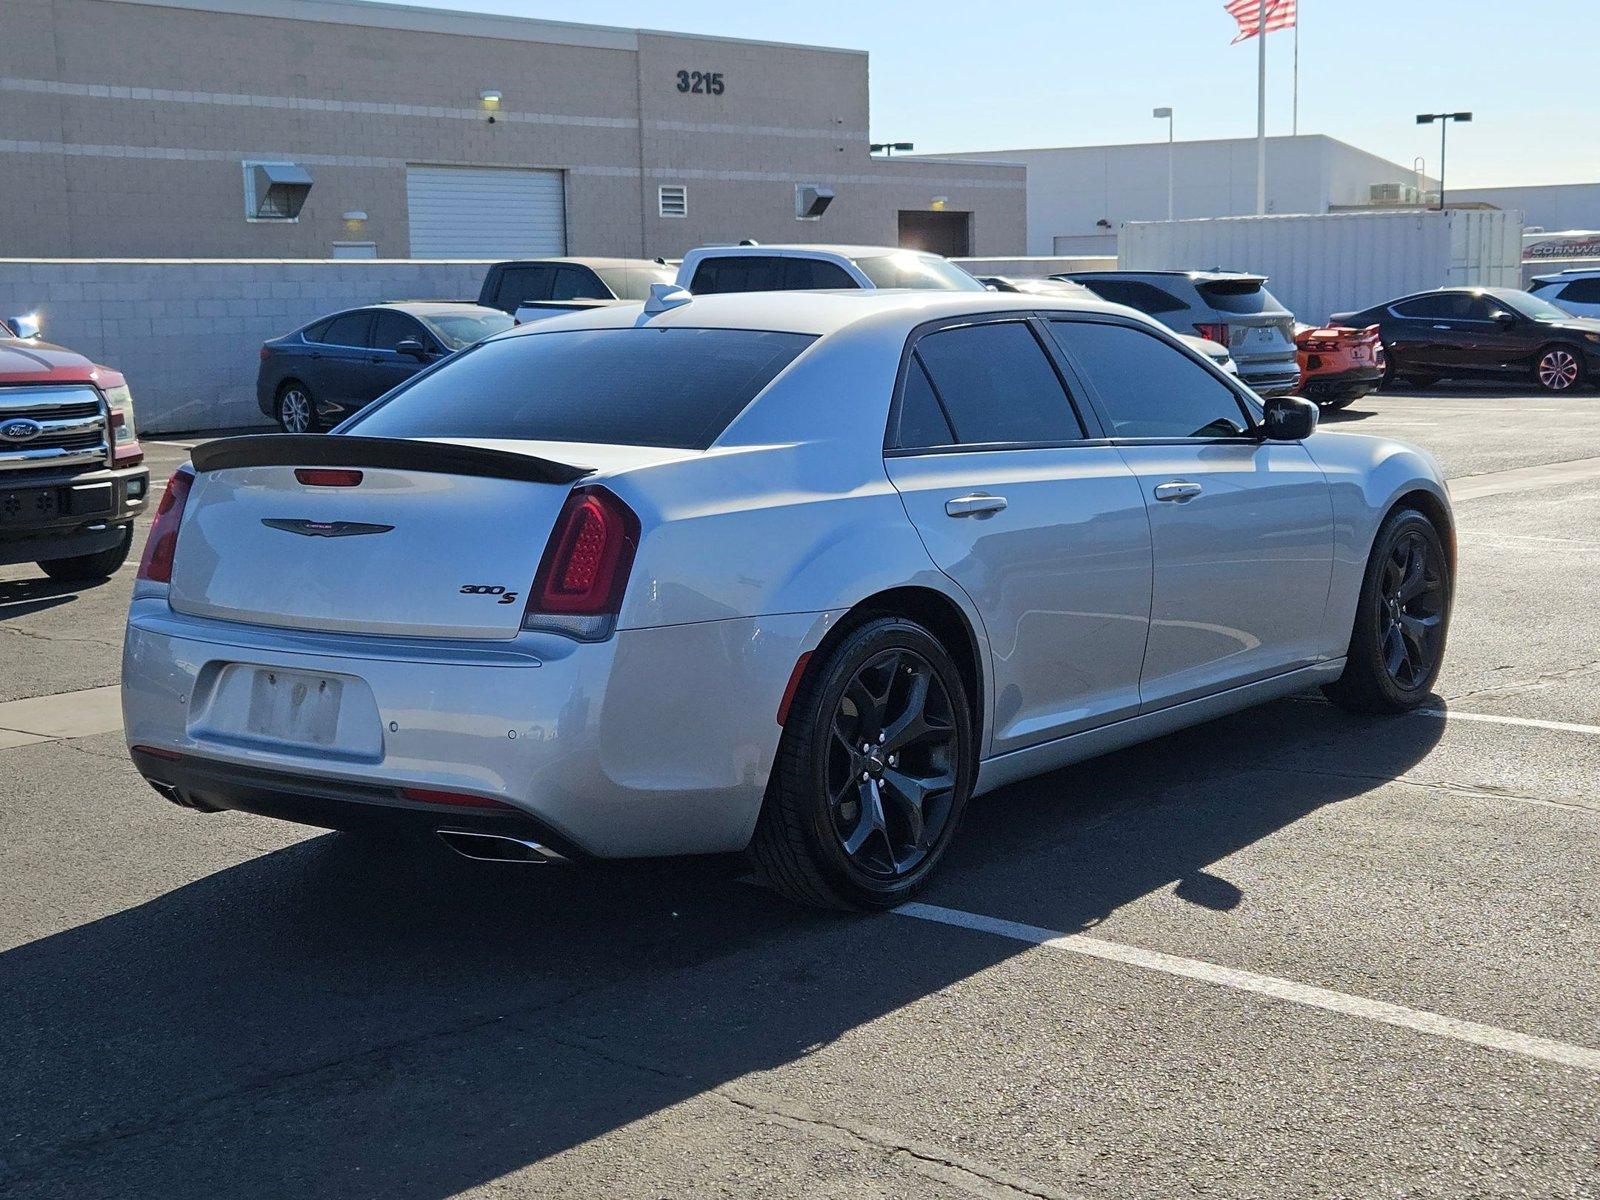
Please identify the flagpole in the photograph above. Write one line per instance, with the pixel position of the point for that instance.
(1261, 110)
(1296, 125)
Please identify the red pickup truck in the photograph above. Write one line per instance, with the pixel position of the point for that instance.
(71, 479)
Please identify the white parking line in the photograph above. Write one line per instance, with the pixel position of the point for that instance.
(1491, 1037)
(1455, 714)
(1523, 479)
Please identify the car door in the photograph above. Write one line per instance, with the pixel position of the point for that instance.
(1242, 529)
(387, 367)
(1033, 515)
(339, 360)
(1496, 338)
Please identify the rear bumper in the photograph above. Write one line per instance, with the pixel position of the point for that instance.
(1270, 377)
(1358, 380)
(47, 515)
(657, 742)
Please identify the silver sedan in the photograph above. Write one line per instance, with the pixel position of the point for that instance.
(792, 574)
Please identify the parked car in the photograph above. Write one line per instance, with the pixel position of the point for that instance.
(1230, 308)
(1482, 333)
(1577, 290)
(749, 267)
(313, 378)
(71, 479)
(1339, 364)
(532, 289)
(803, 576)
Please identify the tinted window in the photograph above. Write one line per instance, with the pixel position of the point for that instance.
(576, 283)
(1440, 306)
(1145, 297)
(390, 328)
(317, 332)
(996, 384)
(348, 330)
(745, 273)
(767, 273)
(921, 421)
(1148, 388)
(1581, 291)
(523, 283)
(1239, 296)
(633, 283)
(632, 387)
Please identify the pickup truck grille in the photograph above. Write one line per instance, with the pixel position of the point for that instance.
(46, 427)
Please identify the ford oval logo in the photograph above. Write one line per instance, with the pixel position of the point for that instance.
(20, 430)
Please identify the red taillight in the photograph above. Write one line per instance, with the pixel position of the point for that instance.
(327, 477)
(1215, 333)
(159, 752)
(586, 563)
(793, 686)
(156, 565)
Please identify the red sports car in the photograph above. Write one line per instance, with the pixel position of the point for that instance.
(1339, 364)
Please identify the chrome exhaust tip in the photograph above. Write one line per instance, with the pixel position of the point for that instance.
(497, 847)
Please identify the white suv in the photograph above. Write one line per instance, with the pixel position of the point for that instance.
(750, 267)
(1576, 290)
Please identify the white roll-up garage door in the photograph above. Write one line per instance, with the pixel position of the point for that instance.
(484, 212)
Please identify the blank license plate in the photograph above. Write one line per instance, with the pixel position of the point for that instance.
(294, 706)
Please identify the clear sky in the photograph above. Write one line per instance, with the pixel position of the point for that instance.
(1015, 73)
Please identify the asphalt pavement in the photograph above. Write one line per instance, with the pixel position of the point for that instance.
(1292, 953)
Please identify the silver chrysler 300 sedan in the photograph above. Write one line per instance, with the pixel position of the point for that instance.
(797, 574)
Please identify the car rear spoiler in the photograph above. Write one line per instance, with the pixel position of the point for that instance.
(401, 454)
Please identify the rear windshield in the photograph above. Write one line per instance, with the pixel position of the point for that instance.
(456, 330)
(633, 283)
(1239, 296)
(628, 387)
(917, 271)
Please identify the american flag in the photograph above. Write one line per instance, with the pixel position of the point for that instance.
(1280, 15)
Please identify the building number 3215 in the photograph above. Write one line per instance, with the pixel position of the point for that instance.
(704, 83)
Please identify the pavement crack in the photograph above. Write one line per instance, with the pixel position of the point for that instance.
(972, 1177)
(1539, 682)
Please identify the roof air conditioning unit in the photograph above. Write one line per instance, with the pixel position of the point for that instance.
(1394, 193)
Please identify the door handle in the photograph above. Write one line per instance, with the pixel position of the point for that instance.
(976, 505)
(1444, 327)
(1179, 490)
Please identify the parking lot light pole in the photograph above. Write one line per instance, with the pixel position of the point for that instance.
(1167, 113)
(1444, 120)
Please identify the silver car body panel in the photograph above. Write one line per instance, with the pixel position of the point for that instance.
(661, 739)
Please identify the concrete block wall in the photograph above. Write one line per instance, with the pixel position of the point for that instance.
(186, 332)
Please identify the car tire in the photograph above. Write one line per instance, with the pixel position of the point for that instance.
(1558, 370)
(846, 829)
(81, 568)
(1402, 619)
(295, 409)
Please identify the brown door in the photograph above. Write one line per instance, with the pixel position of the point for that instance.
(946, 233)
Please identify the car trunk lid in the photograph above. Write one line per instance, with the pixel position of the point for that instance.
(358, 535)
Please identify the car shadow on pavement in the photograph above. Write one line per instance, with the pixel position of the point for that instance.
(338, 1018)
(19, 597)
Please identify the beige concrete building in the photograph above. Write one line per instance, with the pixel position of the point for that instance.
(192, 128)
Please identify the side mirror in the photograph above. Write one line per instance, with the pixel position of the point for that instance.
(26, 326)
(1502, 317)
(1289, 419)
(413, 349)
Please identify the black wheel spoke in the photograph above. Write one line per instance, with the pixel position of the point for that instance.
(891, 748)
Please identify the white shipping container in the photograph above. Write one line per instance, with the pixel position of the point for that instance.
(1334, 262)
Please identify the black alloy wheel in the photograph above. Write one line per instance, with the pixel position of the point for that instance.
(1558, 369)
(891, 771)
(1402, 619)
(874, 768)
(1412, 601)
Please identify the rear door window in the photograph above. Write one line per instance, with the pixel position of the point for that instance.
(1145, 297)
(1442, 306)
(518, 284)
(738, 273)
(813, 274)
(631, 387)
(348, 330)
(577, 283)
(995, 383)
(390, 328)
(1147, 388)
